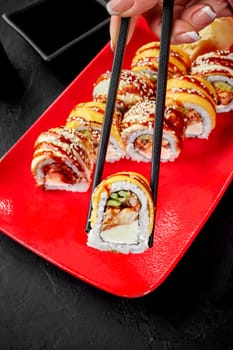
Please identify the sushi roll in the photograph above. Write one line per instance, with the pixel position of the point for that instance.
(146, 60)
(137, 130)
(198, 98)
(122, 214)
(87, 118)
(133, 87)
(217, 68)
(63, 159)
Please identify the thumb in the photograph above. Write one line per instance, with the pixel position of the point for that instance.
(114, 30)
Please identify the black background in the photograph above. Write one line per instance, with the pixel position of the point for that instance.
(42, 307)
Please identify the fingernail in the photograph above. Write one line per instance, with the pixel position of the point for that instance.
(188, 37)
(115, 7)
(203, 16)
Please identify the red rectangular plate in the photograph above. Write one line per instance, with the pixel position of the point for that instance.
(52, 224)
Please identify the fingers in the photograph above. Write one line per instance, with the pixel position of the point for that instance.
(222, 8)
(125, 8)
(129, 8)
(196, 16)
(191, 20)
(183, 30)
(189, 16)
(188, 21)
(114, 29)
(118, 7)
(199, 15)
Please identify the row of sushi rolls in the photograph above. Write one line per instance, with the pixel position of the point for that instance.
(122, 207)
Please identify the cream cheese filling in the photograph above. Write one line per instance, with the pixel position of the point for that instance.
(122, 234)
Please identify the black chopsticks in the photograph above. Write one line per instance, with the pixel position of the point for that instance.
(109, 110)
(167, 16)
(166, 28)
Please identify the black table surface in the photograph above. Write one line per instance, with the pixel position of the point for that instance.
(42, 307)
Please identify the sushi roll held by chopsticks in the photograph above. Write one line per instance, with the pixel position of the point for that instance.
(122, 214)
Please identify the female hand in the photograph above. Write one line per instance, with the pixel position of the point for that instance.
(189, 16)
